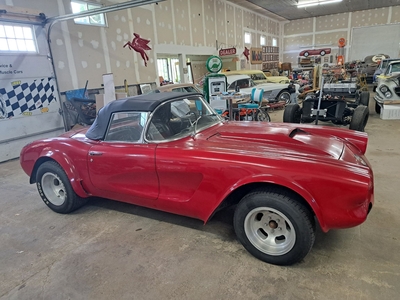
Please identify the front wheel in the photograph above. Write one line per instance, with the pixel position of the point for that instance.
(274, 228)
(55, 188)
(377, 108)
(360, 118)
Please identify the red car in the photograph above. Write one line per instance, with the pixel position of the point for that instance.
(321, 52)
(171, 152)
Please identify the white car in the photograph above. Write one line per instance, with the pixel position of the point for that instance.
(387, 92)
(272, 91)
(393, 68)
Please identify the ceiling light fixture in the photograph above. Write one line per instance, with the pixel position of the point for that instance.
(316, 2)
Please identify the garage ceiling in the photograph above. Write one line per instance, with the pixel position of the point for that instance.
(287, 9)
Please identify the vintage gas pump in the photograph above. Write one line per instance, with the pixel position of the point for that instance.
(214, 84)
(340, 55)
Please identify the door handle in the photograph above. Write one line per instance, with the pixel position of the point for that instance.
(95, 153)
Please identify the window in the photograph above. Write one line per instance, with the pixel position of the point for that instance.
(17, 39)
(262, 40)
(274, 42)
(126, 127)
(80, 6)
(247, 38)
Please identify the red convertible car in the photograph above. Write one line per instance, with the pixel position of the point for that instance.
(171, 152)
(321, 52)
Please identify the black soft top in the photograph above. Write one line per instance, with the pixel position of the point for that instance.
(147, 102)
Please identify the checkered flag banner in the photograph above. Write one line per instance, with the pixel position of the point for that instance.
(23, 97)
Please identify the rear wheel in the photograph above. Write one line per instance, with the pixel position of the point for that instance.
(55, 188)
(292, 113)
(284, 96)
(364, 98)
(262, 115)
(274, 227)
(360, 118)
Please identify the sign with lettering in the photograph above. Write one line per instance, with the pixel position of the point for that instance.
(227, 51)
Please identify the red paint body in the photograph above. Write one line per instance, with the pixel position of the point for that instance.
(193, 176)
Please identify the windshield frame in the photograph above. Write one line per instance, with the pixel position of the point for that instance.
(182, 135)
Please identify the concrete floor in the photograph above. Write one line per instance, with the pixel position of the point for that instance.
(111, 250)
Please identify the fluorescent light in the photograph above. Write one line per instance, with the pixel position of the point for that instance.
(315, 3)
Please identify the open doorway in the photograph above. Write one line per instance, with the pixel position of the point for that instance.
(168, 70)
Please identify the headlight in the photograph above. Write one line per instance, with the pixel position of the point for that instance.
(383, 89)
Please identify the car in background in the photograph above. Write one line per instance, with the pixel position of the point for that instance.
(309, 52)
(259, 76)
(368, 66)
(179, 87)
(393, 68)
(381, 69)
(273, 92)
(387, 92)
(171, 152)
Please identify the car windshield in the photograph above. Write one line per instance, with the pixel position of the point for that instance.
(179, 118)
(242, 84)
(395, 68)
(258, 76)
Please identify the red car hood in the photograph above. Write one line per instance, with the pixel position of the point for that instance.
(280, 139)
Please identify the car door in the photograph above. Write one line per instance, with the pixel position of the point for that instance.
(122, 167)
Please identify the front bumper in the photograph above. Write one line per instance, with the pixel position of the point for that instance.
(379, 99)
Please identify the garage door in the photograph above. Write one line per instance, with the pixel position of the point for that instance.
(29, 104)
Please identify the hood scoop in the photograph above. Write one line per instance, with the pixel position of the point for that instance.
(297, 131)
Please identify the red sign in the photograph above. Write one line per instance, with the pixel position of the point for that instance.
(228, 51)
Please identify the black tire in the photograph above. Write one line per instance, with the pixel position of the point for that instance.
(292, 113)
(284, 96)
(288, 233)
(55, 188)
(364, 98)
(262, 115)
(377, 108)
(322, 53)
(360, 118)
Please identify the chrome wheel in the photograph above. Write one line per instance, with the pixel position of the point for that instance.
(284, 96)
(262, 116)
(270, 231)
(53, 188)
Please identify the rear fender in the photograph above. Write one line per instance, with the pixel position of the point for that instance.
(66, 164)
(277, 181)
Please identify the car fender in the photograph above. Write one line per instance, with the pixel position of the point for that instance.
(66, 164)
(278, 181)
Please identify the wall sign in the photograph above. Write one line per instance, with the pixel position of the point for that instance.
(256, 56)
(227, 51)
(139, 44)
(246, 53)
(214, 64)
